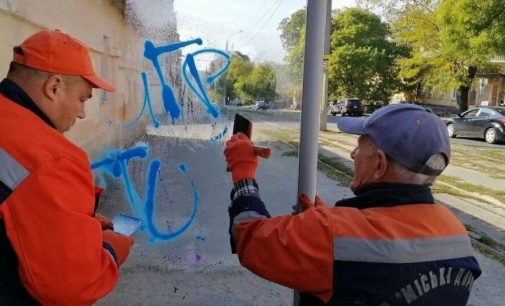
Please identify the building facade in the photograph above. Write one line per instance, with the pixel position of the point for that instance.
(116, 41)
(488, 89)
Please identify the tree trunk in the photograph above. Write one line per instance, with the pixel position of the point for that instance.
(462, 96)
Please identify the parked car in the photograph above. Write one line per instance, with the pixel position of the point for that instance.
(335, 107)
(352, 107)
(261, 105)
(235, 102)
(482, 122)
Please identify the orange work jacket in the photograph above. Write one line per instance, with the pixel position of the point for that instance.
(48, 213)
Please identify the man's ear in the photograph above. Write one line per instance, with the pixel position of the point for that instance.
(52, 86)
(382, 165)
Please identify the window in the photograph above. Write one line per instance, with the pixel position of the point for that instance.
(471, 114)
(484, 113)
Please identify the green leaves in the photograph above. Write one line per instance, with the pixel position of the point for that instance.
(362, 59)
(450, 40)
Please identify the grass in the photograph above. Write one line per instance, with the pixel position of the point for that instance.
(488, 168)
(486, 251)
(478, 189)
(441, 188)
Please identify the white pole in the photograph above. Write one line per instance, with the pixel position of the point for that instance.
(324, 96)
(311, 97)
(311, 101)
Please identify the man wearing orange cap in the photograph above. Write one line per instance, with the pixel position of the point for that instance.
(54, 250)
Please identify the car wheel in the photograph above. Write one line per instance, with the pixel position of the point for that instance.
(490, 135)
(450, 130)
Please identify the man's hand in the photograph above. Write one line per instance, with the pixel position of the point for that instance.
(241, 158)
(120, 243)
(305, 203)
(104, 221)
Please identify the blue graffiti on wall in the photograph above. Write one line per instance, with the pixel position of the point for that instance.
(115, 163)
(170, 105)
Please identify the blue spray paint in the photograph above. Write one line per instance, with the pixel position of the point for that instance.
(150, 206)
(170, 105)
(221, 134)
(147, 101)
(201, 93)
(116, 162)
(152, 53)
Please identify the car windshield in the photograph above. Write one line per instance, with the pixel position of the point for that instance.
(354, 102)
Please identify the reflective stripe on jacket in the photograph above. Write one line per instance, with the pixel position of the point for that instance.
(46, 209)
(415, 254)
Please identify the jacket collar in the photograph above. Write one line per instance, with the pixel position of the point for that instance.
(387, 195)
(16, 94)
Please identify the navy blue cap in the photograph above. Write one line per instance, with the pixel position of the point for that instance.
(407, 133)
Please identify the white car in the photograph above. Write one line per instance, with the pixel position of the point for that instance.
(335, 108)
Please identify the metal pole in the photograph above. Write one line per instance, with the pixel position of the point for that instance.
(324, 97)
(311, 99)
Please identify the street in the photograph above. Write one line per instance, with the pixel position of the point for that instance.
(474, 142)
(196, 267)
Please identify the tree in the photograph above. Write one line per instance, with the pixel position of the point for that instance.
(243, 80)
(450, 40)
(293, 40)
(240, 68)
(291, 29)
(362, 59)
(261, 82)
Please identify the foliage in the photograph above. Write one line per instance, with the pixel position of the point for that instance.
(260, 83)
(293, 40)
(362, 59)
(243, 80)
(450, 40)
(291, 29)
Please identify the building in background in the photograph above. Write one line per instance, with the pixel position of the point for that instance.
(488, 89)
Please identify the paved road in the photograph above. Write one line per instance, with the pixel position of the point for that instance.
(474, 142)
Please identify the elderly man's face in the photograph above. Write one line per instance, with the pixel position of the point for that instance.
(365, 157)
(71, 103)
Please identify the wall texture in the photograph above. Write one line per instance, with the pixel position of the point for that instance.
(115, 42)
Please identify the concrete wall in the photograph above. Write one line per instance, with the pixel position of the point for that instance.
(115, 50)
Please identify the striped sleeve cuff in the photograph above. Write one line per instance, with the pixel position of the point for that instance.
(247, 187)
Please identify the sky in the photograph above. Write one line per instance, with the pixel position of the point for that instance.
(249, 26)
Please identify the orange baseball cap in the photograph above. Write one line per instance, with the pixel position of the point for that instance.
(57, 52)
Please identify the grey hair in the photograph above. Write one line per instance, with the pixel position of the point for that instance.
(18, 71)
(435, 162)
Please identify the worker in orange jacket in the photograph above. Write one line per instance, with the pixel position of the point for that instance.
(391, 244)
(54, 250)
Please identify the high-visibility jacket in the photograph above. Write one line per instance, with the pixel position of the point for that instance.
(396, 251)
(52, 248)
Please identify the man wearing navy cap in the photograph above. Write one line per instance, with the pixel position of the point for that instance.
(391, 244)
